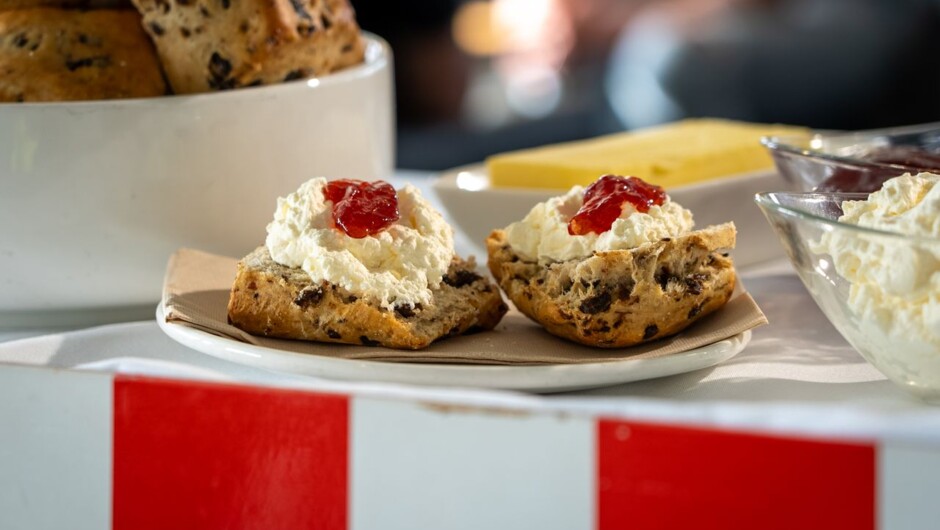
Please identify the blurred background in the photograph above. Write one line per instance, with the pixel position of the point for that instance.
(477, 77)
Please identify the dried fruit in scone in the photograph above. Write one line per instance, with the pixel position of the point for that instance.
(360, 263)
(49, 54)
(6, 5)
(614, 265)
(272, 300)
(227, 44)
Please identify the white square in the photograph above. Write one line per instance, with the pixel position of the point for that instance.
(908, 481)
(417, 466)
(55, 454)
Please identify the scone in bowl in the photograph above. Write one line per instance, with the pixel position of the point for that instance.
(95, 196)
(837, 161)
(868, 284)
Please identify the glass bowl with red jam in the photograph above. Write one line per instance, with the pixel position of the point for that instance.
(858, 161)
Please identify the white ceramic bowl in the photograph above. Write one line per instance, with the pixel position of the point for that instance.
(95, 196)
(477, 208)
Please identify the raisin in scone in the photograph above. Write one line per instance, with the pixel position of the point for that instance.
(273, 300)
(359, 263)
(49, 54)
(6, 5)
(223, 44)
(614, 265)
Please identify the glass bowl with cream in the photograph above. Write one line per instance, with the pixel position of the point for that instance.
(872, 264)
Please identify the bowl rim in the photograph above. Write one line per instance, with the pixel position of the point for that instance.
(446, 179)
(377, 56)
(766, 200)
(787, 144)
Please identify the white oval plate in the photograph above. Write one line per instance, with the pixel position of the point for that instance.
(541, 378)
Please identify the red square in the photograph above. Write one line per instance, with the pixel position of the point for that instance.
(208, 456)
(654, 476)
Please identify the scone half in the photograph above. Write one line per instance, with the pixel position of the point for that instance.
(49, 54)
(206, 46)
(621, 298)
(270, 299)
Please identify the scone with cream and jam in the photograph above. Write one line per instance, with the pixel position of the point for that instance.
(357, 262)
(613, 265)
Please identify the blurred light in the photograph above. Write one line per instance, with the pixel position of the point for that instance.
(498, 27)
(529, 41)
(475, 30)
(534, 91)
(485, 106)
(540, 29)
(471, 181)
(525, 20)
(816, 143)
(822, 268)
(636, 65)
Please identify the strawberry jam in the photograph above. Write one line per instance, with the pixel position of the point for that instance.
(361, 208)
(604, 199)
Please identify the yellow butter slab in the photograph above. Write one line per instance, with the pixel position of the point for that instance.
(671, 155)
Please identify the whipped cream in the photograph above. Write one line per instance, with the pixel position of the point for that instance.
(895, 284)
(543, 233)
(399, 265)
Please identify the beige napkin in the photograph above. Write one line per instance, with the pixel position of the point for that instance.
(196, 290)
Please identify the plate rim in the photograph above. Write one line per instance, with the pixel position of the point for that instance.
(533, 378)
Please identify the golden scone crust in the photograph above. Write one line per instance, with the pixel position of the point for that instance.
(272, 300)
(6, 5)
(622, 297)
(49, 54)
(225, 44)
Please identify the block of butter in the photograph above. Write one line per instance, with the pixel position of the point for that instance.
(671, 155)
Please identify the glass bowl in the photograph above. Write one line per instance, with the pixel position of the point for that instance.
(877, 288)
(858, 161)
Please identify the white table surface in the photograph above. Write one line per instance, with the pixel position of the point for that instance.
(796, 375)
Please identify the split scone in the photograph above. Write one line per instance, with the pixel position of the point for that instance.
(226, 44)
(614, 265)
(50, 54)
(359, 263)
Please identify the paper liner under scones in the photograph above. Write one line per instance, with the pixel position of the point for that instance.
(197, 286)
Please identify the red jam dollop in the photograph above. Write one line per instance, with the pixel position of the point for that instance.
(362, 208)
(604, 199)
(870, 178)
